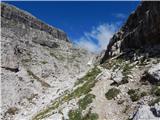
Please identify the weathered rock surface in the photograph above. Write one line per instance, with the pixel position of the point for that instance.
(141, 31)
(12, 13)
(132, 51)
(105, 75)
(146, 112)
(38, 63)
(117, 76)
(153, 73)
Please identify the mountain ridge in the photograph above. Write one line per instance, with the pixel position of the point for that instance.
(45, 77)
(11, 12)
(39, 64)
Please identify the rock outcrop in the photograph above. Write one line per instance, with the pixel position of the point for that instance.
(45, 77)
(38, 64)
(133, 56)
(141, 31)
(12, 13)
(145, 112)
(153, 74)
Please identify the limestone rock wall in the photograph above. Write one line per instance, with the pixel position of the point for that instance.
(11, 13)
(141, 30)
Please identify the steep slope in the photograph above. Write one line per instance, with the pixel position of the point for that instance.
(141, 31)
(45, 77)
(133, 59)
(38, 63)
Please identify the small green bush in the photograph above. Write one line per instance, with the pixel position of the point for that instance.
(91, 75)
(90, 116)
(135, 95)
(124, 81)
(143, 94)
(75, 115)
(85, 101)
(131, 91)
(112, 93)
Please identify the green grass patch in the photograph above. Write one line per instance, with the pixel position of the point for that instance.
(84, 89)
(84, 102)
(135, 95)
(114, 63)
(90, 116)
(143, 94)
(77, 115)
(126, 71)
(89, 76)
(112, 93)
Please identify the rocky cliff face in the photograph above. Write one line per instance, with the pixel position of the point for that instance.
(133, 59)
(45, 78)
(16, 15)
(141, 31)
(38, 63)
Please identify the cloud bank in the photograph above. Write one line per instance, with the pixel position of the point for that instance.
(98, 38)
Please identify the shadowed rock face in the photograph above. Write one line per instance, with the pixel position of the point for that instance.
(141, 30)
(11, 13)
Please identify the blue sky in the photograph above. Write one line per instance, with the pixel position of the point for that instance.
(88, 24)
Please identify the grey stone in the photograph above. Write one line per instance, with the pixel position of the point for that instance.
(141, 31)
(144, 113)
(153, 73)
(117, 76)
(12, 13)
(36, 60)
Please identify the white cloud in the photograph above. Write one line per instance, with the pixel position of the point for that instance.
(87, 44)
(120, 15)
(98, 38)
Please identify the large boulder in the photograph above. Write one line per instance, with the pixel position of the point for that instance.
(117, 76)
(104, 75)
(153, 73)
(145, 113)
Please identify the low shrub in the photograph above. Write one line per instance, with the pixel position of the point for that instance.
(112, 93)
(85, 101)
